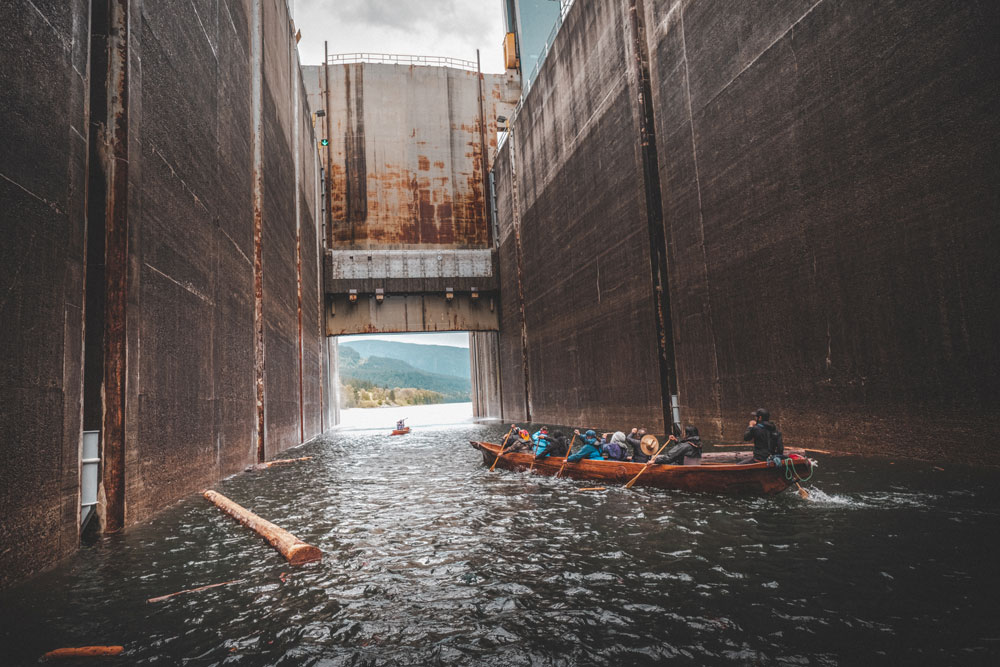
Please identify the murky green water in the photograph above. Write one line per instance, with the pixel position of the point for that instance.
(431, 559)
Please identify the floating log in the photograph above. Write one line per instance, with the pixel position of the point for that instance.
(277, 462)
(192, 590)
(83, 652)
(292, 548)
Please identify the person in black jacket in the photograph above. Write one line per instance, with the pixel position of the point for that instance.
(557, 447)
(690, 446)
(765, 436)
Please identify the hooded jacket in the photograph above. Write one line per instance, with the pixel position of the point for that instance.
(540, 440)
(616, 449)
(766, 440)
(589, 450)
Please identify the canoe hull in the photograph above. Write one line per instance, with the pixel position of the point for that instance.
(756, 479)
(400, 431)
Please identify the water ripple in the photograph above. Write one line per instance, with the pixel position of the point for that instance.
(432, 559)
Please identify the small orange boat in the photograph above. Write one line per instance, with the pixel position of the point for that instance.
(717, 472)
(400, 431)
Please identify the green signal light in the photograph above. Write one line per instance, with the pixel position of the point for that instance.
(324, 142)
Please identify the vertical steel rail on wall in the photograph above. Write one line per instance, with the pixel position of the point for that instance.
(293, 58)
(328, 150)
(257, 137)
(519, 264)
(654, 214)
(116, 255)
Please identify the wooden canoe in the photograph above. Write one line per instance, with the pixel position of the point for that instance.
(400, 431)
(717, 473)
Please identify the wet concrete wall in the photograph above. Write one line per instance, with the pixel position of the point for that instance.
(830, 186)
(572, 205)
(827, 173)
(485, 374)
(406, 153)
(191, 157)
(43, 160)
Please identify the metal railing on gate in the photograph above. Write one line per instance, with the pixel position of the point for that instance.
(400, 59)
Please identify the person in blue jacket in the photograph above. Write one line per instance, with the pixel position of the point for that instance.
(540, 438)
(590, 449)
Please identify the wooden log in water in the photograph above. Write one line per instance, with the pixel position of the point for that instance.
(277, 462)
(192, 590)
(292, 548)
(83, 652)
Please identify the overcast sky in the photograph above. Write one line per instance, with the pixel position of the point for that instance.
(454, 28)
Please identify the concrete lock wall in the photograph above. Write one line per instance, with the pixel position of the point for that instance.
(43, 104)
(828, 180)
(209, 218)
(574, 237)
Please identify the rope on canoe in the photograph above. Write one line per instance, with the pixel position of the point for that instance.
(792, 474)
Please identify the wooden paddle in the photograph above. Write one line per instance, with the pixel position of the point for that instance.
(651, 459)
(533, 459)
(802, 492)
(568, 450)
(503, 447)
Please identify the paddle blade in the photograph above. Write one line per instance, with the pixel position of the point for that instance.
(802, 492)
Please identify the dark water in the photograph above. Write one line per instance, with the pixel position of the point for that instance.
(431, 559)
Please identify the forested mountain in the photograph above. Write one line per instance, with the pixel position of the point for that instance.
(440, 359)
(360, 373)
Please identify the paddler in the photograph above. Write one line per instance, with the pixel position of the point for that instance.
(688, 447)
(590, 448)
(557, 446)
(540, 440)
(634, 442)
(520, 441)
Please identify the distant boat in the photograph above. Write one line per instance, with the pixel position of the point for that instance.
(400, 431)
(717, 472)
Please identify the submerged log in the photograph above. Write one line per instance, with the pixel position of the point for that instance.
(83, 652)
(192, 590)
(277, 462)
(292, 548)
